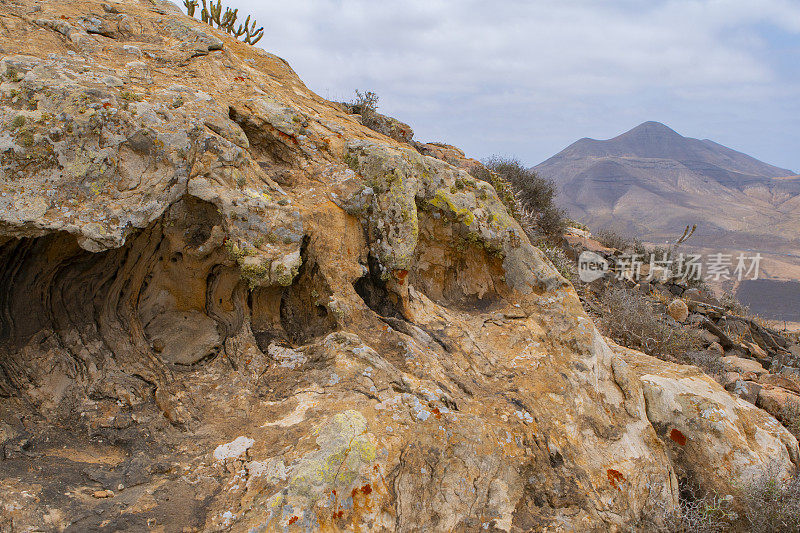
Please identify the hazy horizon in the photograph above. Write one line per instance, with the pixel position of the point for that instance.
(529, 78)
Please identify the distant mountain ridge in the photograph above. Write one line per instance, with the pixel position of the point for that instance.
(651, 181)
(654, 140)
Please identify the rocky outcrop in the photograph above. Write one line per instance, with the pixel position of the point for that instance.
(228, 305)
(714, 439)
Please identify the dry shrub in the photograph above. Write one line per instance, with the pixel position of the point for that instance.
(767, 503)
(733, 305)
(707, 361)
(558, 257)
(611, 239)
(632, 321)
(366, 105)
(771, 504)
(504, 189)
(696, 513)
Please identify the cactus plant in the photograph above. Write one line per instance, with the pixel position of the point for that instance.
(211, 13)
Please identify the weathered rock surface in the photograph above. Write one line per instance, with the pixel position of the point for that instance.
(779, 402)
(713, 438)
(732, 363)
(226, 304)
(678, 310)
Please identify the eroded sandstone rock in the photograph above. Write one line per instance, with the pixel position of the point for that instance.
(716, 439)
(197, 251)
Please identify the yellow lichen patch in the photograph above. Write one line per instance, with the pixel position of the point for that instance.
(344, 449)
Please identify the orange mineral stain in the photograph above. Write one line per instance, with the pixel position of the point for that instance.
(678, 437)
(401, 275)
(615, 477)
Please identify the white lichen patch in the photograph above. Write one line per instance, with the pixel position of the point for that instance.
(234, 449)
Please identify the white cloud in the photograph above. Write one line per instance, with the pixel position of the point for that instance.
(455, 68)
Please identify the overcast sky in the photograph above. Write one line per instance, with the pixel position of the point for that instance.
(527, 78)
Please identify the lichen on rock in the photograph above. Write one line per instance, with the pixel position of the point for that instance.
(197, 251)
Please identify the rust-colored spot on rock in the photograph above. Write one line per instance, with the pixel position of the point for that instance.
(293, 519)
(366, 489)
(353, 492)
(437, 413)
(285, 137)
(678, 437)
(615, 477)
(401, 275)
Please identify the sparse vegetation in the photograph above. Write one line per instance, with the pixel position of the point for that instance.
(697, 513)
(212, 14)
(504, 190)
(708, 362)
(26, 137)
(611, 239)
(733, 305)
(575, 224)
(366, 104)
(768, 503)
(530, 200)
(12, 75)
(632, 320)
(130, 96)
(790, 417)
(771, 504)
(535, 194)
(556, 254)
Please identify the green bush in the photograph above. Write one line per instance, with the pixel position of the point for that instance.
(504, 190)
(536, 196)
